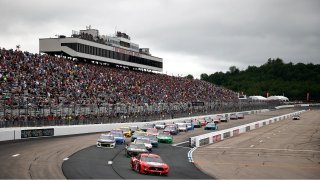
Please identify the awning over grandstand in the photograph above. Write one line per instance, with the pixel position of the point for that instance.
(279, 98)
(259, 98)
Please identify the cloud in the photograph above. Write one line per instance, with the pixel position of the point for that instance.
(201, 36)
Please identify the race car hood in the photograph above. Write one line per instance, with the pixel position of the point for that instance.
(155, 164)
(137, 150)
(106, 140)
(118, 138)
(164, 137)
(160, 125)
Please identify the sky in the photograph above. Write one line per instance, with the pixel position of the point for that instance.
(192, 36)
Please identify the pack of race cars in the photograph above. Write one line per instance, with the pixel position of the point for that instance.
(139, 149)
(144, 139)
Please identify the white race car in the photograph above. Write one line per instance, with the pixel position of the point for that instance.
(144, 141)
(182, 127)
(160, 125)
(106, 140)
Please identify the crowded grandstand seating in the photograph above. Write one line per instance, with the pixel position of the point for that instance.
(33, 80)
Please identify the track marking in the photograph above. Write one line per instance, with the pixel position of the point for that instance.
(260, 141)
(190, 154)
(109, 162)
(15, 155)
(252, 146)
(65, 159)
(180, 143)
(269, 149)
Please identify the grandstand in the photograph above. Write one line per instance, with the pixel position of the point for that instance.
(89, 45)
(46, 89)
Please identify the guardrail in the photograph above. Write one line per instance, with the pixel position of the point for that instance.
(7, 134)
(217, 136)
(298, 105)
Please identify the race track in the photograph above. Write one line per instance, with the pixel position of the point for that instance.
(46, 157)
(94, 163)
(289, 149)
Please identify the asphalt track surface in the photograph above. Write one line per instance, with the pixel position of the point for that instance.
(289, 149)
(93, 163)
(44, 158)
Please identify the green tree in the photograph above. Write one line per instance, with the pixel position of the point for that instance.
(189, 76)
(275, 77)
(204, 77)
(233, 69)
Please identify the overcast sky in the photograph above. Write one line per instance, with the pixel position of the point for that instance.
(192, 36)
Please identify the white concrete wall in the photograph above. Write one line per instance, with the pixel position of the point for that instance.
(216, 136)
(7, 134)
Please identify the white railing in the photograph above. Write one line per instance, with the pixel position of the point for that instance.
(7, 134)
(217, 136)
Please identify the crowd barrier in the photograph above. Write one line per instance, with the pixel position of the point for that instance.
(8, 134)
(217, 136)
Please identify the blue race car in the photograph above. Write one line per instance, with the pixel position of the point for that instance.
(119, 138)
(211, 126)
(138, 134)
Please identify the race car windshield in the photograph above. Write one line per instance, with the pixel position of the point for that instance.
(151, 159)
(142, 141)
(137, 146)
(170, 128)
(152, 137)
(163, 135)
(117, 135)
(106, 137)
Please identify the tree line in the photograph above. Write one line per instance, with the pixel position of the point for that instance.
(296, 81)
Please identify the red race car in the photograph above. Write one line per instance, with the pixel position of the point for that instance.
(149, 164)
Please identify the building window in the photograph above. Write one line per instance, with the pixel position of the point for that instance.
(111, 54)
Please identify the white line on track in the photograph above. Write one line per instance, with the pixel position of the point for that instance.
(252, 146)
(109, 162)
(16, 155)
(190, 154)
(180, 143)
(65, 159)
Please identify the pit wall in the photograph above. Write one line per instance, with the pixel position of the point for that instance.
(9, 134)
(217, 136)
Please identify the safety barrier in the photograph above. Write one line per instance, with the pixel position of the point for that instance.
(7, 134)
(217, 136)
(296, 105)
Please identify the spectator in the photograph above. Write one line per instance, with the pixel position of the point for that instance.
(37, 81)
